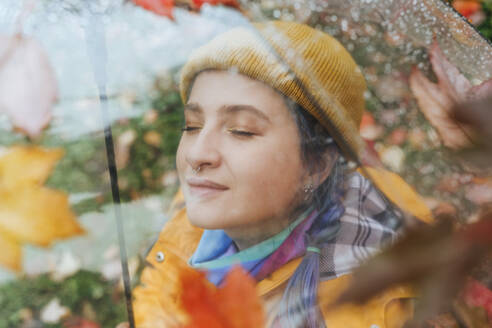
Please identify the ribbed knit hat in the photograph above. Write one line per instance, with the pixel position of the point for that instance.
(308, 66)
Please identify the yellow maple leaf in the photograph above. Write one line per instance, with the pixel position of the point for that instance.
(30, 212)
(11, 251)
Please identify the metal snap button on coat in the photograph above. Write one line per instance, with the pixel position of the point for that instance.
(159, 257)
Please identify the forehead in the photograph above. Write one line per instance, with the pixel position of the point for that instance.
(213, 90)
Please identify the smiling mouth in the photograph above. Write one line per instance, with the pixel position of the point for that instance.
(200, 187)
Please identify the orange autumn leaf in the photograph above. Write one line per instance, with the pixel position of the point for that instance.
(155, 299)
(239, 301)
(160, 7)
(467, 7)
(229, 3)
(30, 212)
(200, 300)
(367, 120)
(233, 305)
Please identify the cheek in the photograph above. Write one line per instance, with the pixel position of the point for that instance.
(284, 173)
(272, 176)
(181, 159)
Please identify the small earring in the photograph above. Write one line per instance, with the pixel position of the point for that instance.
(308, 188)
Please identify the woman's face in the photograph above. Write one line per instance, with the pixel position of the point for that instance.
(245, 142)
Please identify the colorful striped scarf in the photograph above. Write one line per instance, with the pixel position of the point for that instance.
(354, 230)
(217, 253)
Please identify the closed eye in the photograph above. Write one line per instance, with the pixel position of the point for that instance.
(189, 128)
(241, 133)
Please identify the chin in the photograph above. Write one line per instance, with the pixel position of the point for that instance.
(202, 220)
(206, 213)
(212, 220)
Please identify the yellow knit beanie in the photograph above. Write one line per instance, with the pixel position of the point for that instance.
(306, 65)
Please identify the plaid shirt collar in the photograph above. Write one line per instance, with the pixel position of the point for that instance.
(364, 229)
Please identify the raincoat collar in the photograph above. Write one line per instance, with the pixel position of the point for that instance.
(216, 252)
(361, 231)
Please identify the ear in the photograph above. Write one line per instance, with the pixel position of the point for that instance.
(330, 157)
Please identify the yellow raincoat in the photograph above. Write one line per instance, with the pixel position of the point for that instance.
(156, 299)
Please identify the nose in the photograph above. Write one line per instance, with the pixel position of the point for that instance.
(203, 150)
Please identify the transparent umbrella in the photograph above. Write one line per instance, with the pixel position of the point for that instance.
(93, 92)
(117, 67)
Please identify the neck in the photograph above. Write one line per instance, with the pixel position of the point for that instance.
(247, 236)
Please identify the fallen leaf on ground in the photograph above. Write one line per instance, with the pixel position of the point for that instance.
(479, 193)
(477, 294)
(445, 209)
(229, 3)
(417, 138)
(445, 320)
(398, 136)
(369, 155)
(66, 266)
(368, 128)
(53, 312)
(30, 212)
(470, 316)
(393, 157)
(389, 117)
(123, 325)
(367, 119)
(372, 132)
(80, 323)
(448, 183)
(391, 88)
(152, 138)
(122, 148)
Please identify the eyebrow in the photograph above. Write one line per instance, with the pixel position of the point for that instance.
(229, 110)
(233, 109)
(193, 107)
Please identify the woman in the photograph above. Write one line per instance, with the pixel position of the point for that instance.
(270, 112)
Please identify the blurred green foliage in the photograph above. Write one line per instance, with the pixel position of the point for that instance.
(485, 28)
(148, 162)
(83, 169)
(82, 288)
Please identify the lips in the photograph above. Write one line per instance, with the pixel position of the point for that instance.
(202, 187)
